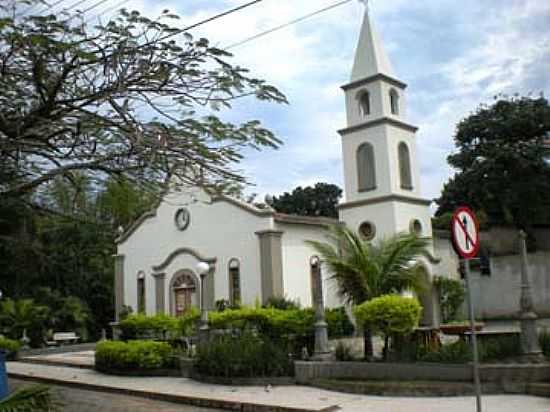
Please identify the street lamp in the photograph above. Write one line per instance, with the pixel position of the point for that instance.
(202, 269)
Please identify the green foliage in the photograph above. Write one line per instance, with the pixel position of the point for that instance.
(365, 270)
(127, 356)
(21, 314)
(70, 104)
(35, 398)
(291, 329)
(457, 352)
(10, 346)
(342, 352)
(501, 163)
(281, 302)
(319, 200)
(451, 297)
(544, 340)
(389, 314)
(489, 349)
(339, 325)
(246, 355)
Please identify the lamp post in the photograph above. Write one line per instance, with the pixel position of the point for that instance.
(202, 269)
(530, 348)
(321, 351)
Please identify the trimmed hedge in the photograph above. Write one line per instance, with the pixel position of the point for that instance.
(243, 356)
(134, 355)
(140, 326)
(10, 346)
(292, 327)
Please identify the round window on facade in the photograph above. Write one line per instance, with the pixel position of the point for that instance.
(367, 230)
(416, 227)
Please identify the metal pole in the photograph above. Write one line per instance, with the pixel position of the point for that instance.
(473, 335)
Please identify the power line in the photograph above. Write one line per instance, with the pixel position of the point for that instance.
(287, 24)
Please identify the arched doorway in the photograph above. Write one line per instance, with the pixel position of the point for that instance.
(183, 292)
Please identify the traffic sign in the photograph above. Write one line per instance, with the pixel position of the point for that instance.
(465, 233)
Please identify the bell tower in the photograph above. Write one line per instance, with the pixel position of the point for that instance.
(381, 171)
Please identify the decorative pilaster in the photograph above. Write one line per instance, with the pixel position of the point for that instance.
(530, 347)
(119, 285)
(271, 263)
(160, 293)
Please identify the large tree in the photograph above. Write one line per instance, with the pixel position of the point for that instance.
(503, 163)
(318, 200)
(364, 270)
(118, 99)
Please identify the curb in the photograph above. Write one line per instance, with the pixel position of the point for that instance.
(183, 399)
(53, 363)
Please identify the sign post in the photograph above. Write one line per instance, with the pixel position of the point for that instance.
(465, 235)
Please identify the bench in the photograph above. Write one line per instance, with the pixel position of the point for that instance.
(61, 338)
(484, 334)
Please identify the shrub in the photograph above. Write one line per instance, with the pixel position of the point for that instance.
(10, 346)
(342, 352)
(544, 339)
(457, 352)
(124, 356)
(339, 325)
(451, 297)
(281, 302)
(17, 315)
(489, 349)
(389, 314)
(246, 355)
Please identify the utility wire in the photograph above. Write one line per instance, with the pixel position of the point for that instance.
(107, 10)
(287, 24)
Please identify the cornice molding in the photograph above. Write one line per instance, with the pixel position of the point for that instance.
(182, 251)
(370, 79)
(387, 198)
(376, 122)
(305, 220)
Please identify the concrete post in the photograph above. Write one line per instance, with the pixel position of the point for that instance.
(530, 347)
(203, 328)
(321, 351)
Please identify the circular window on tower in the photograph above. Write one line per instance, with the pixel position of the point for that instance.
(367, 230)
(415, 227)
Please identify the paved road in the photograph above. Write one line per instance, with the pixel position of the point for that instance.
(79, 400)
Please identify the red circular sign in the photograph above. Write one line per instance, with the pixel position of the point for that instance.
(465, 233)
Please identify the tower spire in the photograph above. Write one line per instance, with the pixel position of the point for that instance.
(370, 57)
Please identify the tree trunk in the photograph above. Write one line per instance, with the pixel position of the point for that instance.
(386, 350)
(367, 339)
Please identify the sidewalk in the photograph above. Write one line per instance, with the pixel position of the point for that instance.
(256, 398)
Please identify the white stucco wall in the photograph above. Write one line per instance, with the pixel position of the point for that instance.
(218, 230)
(296, 269)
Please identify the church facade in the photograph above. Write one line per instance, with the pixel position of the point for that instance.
(255, 253)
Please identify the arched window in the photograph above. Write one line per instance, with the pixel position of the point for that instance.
(234, 282)
(405, 166)
(141, 292)
(366, 174)
(394, 102)
(364, 103)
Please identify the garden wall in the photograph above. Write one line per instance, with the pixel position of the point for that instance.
(307, 372)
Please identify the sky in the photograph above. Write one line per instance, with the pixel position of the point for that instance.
(453, 55)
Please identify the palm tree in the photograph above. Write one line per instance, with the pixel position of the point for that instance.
(30, 399)
(364, 270)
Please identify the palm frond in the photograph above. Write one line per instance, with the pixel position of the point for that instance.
(364, 270)
(36, 398)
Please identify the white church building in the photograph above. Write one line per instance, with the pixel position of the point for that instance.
(255, 253)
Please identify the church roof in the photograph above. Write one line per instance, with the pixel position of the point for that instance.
(370, 57)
